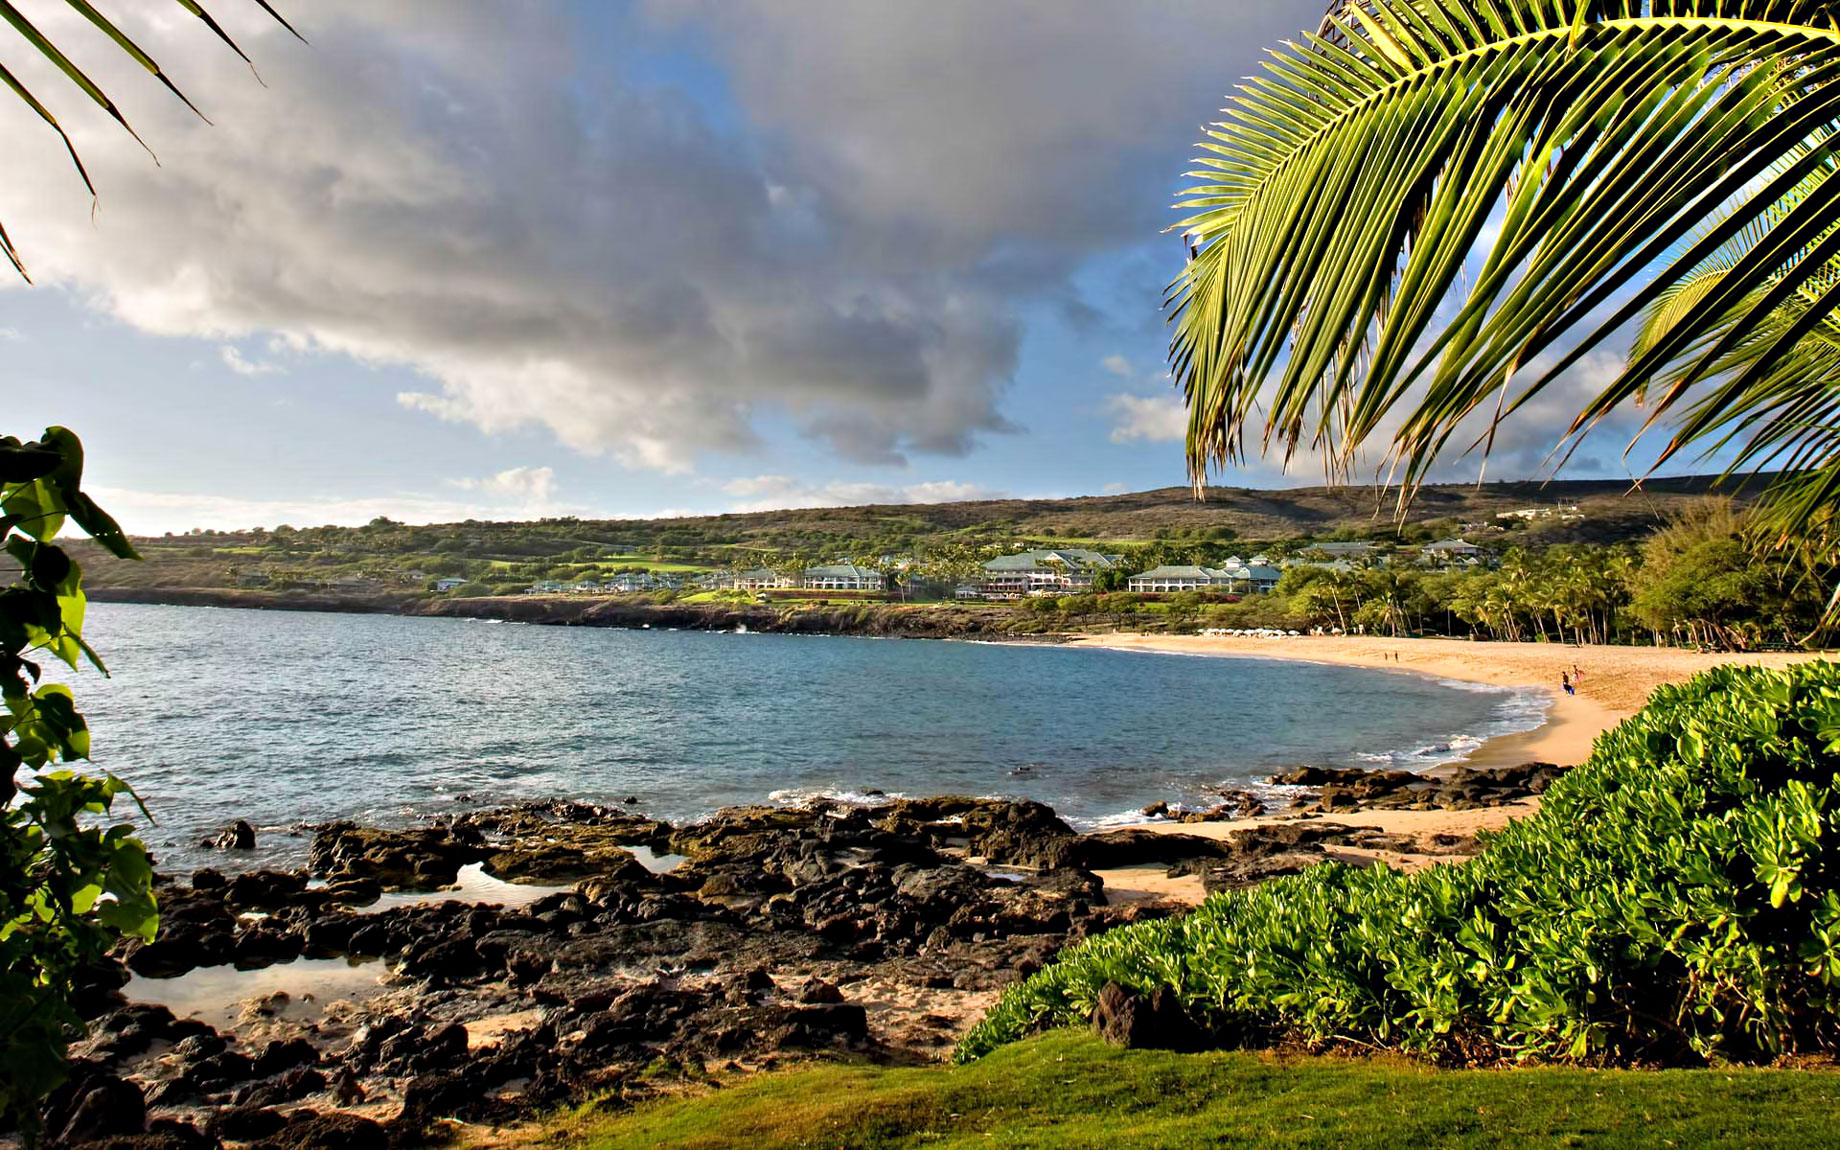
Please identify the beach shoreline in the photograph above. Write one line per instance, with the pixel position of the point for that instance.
(1616, 681)
(1615, 684)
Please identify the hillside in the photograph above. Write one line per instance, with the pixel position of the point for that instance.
(1167, 523)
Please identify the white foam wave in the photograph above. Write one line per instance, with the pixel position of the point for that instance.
(805, 796)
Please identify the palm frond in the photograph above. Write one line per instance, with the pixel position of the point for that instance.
(1407, 213)
(30, 33)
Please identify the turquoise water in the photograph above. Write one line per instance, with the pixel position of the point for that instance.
(291, 718)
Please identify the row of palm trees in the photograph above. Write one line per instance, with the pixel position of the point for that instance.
(1699, 583)
(1570, 594)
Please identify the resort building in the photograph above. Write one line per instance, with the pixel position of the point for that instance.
(631, 583)
(1450, 553)
(1234, 576)
(1259, 575)
(1048, 572)
(842, 577)
(547, 587)
(1566, 514)
(1161, 580)
(448, 584)
(761, 579)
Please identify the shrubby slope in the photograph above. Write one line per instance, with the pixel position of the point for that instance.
(1673, 899)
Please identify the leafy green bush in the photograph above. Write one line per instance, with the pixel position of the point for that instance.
(70, 883)
(1673, 898)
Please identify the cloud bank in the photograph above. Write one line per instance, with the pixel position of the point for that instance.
(505, 199)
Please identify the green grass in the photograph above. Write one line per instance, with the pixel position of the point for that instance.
(1070, 1090)
(1090, 542)
(608, 566)
(739, 597)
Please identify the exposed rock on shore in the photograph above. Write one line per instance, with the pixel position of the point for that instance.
(928, 621)
(783, 932)
(1463, 789)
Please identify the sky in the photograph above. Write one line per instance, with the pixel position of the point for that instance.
(484, 259)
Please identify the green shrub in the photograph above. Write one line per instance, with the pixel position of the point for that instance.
(1672, 899)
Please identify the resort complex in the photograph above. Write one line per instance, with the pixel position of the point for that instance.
(1027, 574)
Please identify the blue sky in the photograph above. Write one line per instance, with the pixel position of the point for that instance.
(471, 258)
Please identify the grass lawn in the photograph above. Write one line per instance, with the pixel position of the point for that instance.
(1090, 543)
(1069, 1089)
(621, 562)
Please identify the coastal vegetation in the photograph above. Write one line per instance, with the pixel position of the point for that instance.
(947, 541)
(1695, 580)
(1580, 568)
(1072, 1090)
(72, 881)
(1672, 901)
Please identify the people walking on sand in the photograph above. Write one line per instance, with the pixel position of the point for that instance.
(1565, 680)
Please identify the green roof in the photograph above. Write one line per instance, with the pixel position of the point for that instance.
(1075, 557)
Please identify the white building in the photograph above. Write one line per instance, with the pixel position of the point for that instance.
(1049, 572)
(1235, 576)
(761, 579)
(842, 577)
(1162, 580)
(1566, 514)
(1450, 553)
(631, 583)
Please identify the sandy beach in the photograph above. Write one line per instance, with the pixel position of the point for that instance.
(1616, 681)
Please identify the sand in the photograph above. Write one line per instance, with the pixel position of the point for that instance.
(1615, 684)
(1616, 681)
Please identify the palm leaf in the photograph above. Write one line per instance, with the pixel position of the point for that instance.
(1402, 219)
(27, 31)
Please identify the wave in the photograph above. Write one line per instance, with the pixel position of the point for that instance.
(805, 796)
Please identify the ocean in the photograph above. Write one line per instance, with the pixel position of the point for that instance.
(287, 719)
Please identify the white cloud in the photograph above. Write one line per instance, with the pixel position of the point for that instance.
(156, 512)
(1147, 418)
(781, 492)
(1114, 489)
(488, 199)
(235, 361)
(531, 488)
(1118, 365)
(10, 335)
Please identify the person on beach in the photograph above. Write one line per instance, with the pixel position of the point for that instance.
(1565, 680)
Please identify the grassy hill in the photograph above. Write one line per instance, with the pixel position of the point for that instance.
(1169, 520)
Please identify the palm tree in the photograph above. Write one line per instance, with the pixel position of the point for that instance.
(43, 44)
(1424, 214)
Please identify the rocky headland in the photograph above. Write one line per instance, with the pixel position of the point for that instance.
(635, 953)
(869, 618)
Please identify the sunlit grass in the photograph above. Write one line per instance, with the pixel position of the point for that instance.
(1069, 1090)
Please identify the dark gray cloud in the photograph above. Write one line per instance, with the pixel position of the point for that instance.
(474, 189)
